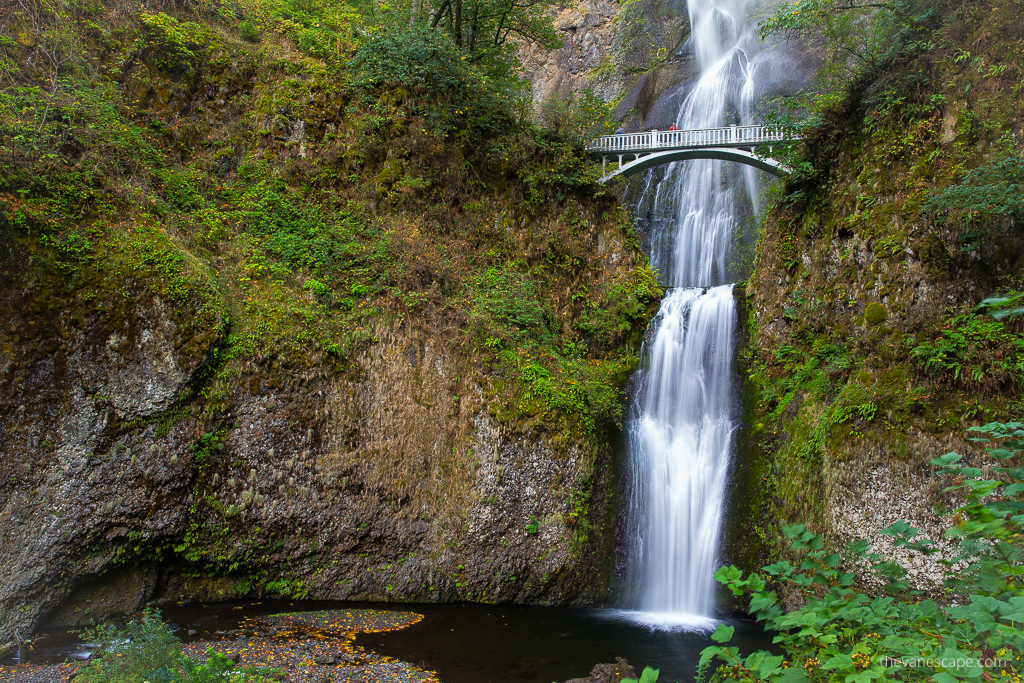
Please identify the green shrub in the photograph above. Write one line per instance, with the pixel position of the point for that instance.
(317, 287)
(508, 306)
(247, 31)
(993, 190)
(841, 634)
(326, 29)
(648, 676)
(145, 649)
(974, 351)
(582, 114)
(179, 46)
(450, 92)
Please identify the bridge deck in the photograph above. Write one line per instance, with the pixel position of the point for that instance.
(653, 147)
(652, 140)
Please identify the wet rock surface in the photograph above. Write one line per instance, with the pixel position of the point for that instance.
(608, 673)
(389, 481)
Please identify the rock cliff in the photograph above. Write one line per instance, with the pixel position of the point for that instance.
(867, 356)
(264, 337)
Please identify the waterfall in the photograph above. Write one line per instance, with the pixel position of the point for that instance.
(680, 429)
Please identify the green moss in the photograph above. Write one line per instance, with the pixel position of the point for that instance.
(874, 313)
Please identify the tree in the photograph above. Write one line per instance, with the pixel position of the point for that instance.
(484, 27)
(851, 37)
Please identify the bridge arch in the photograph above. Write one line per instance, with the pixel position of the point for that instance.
(725, 154)
(651, 148)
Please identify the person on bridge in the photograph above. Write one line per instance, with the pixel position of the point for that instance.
(673, 127)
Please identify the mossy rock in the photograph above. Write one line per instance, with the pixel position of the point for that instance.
(874, 314)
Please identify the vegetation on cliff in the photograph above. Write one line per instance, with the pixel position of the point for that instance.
(839, 633)
(868, 349)
(310, 193)
(289, 183)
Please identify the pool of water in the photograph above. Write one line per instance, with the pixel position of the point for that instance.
(473, 643)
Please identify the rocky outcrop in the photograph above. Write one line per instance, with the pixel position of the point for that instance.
(608, 673)
(387, 478)
(394, 484)
(589, 32)
(72, 380)
(866, 358)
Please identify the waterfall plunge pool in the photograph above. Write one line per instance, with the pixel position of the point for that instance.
(474, 643)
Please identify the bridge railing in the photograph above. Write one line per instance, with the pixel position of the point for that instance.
(730, 136)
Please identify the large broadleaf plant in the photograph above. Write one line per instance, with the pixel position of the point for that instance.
(842, 634)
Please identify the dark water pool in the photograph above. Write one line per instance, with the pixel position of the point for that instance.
(472, 643)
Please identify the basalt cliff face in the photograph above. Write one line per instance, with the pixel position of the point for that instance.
(866, 356)
(264, 337)
(637, 56)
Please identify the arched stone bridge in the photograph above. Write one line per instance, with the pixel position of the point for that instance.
(733, 143)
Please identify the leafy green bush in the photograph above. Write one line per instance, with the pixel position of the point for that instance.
(507, 305)
(993, 190)
(973, 351)
(581, 114)
(145, 649)
(841, 634)
(648, 676)
(326, 29)
(247, 31)
(449, 91)
(1003, 306)
(178, 46)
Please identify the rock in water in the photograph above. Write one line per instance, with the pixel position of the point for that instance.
(608, 673)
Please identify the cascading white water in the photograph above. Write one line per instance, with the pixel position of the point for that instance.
(680, 439)
(681, 428)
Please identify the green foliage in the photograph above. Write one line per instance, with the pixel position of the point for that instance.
(450, 92)
(577, 114)
(583, 393)
(648, 676)
(299, 234)
(841, 634)
(506, 305)
(856, 400)
(325, 29)
(248, 31)
(146, 651)
(973, 351)
(619, 307)
(294, 588)
(1000, 307)
(991, 191)
(178, 46)
(550, 165)
(553, 370)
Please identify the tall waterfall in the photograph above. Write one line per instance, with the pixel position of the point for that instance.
(680, 430)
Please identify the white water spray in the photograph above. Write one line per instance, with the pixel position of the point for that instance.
(681, 429)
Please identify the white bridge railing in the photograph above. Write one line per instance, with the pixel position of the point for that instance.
(731, 136)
